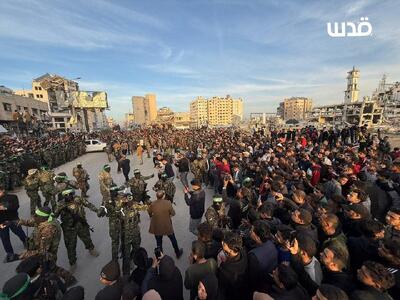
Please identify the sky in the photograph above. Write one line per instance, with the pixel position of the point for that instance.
(260, 50)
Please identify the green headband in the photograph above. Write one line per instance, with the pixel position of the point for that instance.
(67, 192)
(40, 213)
(217, 199)
(19, 292)
(106, 167)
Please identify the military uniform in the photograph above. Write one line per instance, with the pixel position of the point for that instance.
(106, 182)
(130, 219)
(46, 181)
(167, 186)
(198, 168)
(44, 241)
(216, 217)
(82, 178)
(110, 209)
(62, 184)
(32, 184)
(74, 224)
(138, 187)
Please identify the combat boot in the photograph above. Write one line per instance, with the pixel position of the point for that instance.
(93, 252)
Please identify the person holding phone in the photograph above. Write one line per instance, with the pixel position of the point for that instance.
(195, 200)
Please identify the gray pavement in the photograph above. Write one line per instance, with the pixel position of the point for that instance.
(88, 269)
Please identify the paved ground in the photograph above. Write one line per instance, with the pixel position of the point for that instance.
(89, 267)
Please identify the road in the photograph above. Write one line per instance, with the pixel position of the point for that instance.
(88, 267)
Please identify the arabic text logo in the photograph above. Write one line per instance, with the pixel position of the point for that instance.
(363, 28)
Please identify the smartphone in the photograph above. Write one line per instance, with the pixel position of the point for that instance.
(157, 253)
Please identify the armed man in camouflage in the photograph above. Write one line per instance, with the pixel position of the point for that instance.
(111, 209)
(63, 183)
(82, 177)
(215, 214)
(48, 157)
(74, 224)
(130, 219)
(46, 181)
(106, 182)
(138, 186)
(31, 184)
(198, 168)
(167, 186)
(45, 240)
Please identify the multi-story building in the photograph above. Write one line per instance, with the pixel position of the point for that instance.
(368, 112)
(182, 120)
(388, 96)
(352, 91)
(68, 106)
(129, 120)
(144, 108)
(9, 102)
(215, 111)
(295, 108)
(165, 116)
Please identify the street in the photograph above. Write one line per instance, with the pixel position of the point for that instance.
(88, 267)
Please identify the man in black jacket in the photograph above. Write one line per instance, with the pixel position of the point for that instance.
(8, 220)
(125, 166)
(183, 168)
(110, 276)
(195, 200)
(232, 271)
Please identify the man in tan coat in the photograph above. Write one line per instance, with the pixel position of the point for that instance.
(160, 212)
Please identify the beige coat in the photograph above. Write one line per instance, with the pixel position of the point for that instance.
(160, 212)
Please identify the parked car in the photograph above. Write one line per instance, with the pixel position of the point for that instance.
(95, 145)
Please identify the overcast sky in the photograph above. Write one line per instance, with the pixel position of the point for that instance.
(260, 50)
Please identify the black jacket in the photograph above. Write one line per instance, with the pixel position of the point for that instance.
(232, 277)
(369, 293)
(169, 170)
(342, 280)
(11, 203)
(125, 166)
(362, 249)
(297, 293)
(183, 165)
(195, 200)
(168, 283)
(111, 292)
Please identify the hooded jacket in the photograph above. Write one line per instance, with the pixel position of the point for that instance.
(169, 282)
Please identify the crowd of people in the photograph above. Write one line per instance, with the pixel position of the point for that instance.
(18, 154)
(296, 214)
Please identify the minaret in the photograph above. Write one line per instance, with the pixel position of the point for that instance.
(351, 94)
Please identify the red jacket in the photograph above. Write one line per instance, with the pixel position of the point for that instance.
(316, 174)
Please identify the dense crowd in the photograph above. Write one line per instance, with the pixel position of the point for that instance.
(20, 153)
(296, 214)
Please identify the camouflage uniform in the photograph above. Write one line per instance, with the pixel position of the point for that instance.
(31, 184)
(130, 219)
(198, 168)
(13, 164)
(48, 158)
(216, 218)
(167, 186)
(44, 241)
(111, 209)
(106, 182)
(74, 224)
(3, 175)
(82, 178)
(138, 187)
(46, 180)
(64, 184)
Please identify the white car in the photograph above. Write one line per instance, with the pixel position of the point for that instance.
(95, 145)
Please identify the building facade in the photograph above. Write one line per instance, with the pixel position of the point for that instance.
(68, 107)
(352, 91)
(144, 109)
(295, 108)
(216, 111)
(10, 102)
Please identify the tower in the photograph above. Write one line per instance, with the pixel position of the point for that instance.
(351, 93)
